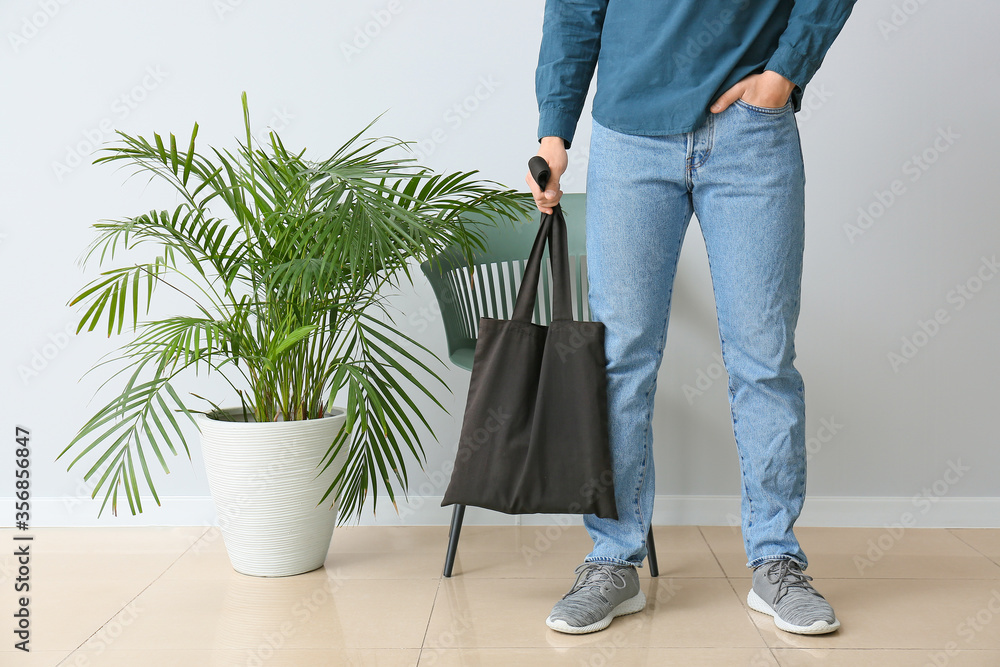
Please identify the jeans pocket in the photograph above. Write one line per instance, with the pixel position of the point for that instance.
(764, 111)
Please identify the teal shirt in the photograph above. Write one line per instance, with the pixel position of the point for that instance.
(661, 63)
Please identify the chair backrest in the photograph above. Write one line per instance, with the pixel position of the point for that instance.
(497, 276)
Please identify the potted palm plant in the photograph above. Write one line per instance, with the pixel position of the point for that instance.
(285, 264)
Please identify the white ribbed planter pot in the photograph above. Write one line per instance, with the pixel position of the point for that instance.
(265, 487)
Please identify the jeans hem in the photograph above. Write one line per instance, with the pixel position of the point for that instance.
(612, 561)
(763, 559)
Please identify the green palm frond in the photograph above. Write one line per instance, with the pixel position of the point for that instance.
(285, 263)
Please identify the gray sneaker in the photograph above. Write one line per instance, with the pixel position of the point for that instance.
(781, 590)
(601, 592)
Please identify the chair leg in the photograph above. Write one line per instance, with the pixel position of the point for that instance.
(457, 515)
(654, 570)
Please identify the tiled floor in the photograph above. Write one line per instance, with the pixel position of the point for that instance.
(150, 597)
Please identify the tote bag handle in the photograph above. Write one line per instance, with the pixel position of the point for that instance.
(551, 227)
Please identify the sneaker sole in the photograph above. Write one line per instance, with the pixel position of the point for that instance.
(633, 605)
(757, 603)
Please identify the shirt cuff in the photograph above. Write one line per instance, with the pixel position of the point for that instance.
(792, 65)
(555, 122)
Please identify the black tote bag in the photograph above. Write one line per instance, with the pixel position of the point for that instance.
(534, 437)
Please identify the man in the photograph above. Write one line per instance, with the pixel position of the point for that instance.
(693, 113)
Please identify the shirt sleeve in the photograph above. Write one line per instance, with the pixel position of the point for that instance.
(812, 27)
(571, 41)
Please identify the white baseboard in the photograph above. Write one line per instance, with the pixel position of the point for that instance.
(668, 510)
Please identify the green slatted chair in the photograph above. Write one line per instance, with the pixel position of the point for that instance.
(493, 292)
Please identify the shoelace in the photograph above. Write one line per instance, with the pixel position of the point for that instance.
(593, 575)
(787, 575)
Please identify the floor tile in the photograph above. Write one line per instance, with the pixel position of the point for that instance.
(144, 539)
(525, 539)
(681, 551)
(510, 613)
(893, 553)
(597, 656)
(726, 544)
(867, 553)
(885, 658)
(407, 539)
(69, 568)
(63, 615)
(102, 553)
(505, 551)
(34, 658)
(554, 552)
(902, 614)
(526, 565)
(984, 540)
(265, 656)
(314, 610)
(207, 559)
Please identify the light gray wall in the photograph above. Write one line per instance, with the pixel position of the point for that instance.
(893, 86)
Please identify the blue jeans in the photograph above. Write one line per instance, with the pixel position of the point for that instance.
(741, 173)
